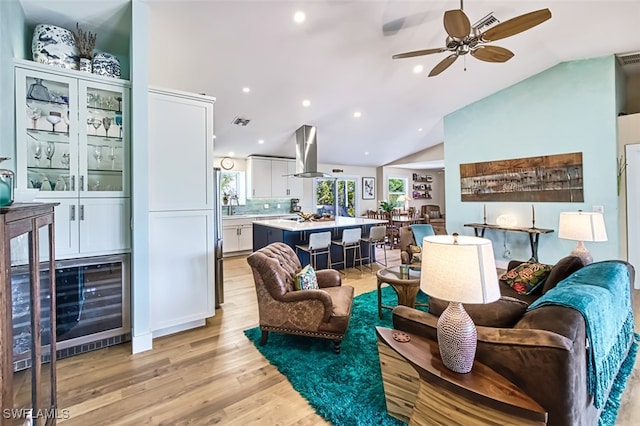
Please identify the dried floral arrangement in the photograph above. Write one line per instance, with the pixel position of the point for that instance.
(85, 42)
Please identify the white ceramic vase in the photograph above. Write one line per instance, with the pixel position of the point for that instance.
(54, 45)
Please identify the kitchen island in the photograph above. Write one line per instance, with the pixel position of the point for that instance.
(292, 232)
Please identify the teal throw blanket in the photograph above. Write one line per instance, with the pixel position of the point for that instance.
(420, 231)
(600, 292)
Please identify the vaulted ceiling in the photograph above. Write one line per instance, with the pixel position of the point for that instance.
(339, 59)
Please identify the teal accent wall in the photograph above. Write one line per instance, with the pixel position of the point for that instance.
(571, 107)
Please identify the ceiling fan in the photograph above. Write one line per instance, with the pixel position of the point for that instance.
(463, 38)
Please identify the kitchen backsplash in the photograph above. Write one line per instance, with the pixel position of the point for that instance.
(264, 206)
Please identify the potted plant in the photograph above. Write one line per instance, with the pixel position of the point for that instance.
(85, 42)
(387, 206)
(225, 187)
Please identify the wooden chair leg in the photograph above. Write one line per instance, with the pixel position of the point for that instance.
(263, 338)
(336, 346)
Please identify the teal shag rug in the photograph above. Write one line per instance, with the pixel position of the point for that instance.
(347, 389)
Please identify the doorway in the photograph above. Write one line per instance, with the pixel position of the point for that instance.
(336, 196)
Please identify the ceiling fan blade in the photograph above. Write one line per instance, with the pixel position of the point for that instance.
(418, 53)
(443, 65)
(516, 25)
(492, 54)
(456, 23)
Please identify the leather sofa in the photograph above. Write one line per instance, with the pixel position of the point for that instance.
(543, 351)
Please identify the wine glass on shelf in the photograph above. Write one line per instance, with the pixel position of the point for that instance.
(37, 152)
(54, 118)
(106, 122)
(49, 151)
(97, 154)
(112, 155)
(118, 120)
(65, 160)
(119, 99)
(67, 120)
(34, 113)
(95, 122)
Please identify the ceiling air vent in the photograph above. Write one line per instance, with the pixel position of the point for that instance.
(483, 24)
(239, 121)
(628, 58)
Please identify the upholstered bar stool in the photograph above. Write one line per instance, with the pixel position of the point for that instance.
(319, 243)
(350, 242)
(375, 238)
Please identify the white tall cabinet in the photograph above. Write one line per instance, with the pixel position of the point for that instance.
(629, 137)
(181, 210)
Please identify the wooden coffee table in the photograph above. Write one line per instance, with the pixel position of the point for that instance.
(406, 286)
(421, 391)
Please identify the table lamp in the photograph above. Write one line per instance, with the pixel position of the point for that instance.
(459, 269)
(403, 199)
(582, 226)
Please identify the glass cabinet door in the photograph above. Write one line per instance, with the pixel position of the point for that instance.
(103, 151)
(46, 132)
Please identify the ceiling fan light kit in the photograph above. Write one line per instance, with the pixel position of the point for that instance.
(463, 38)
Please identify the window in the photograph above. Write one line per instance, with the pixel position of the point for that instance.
(326, 200)
(232, 188)
(396, 187)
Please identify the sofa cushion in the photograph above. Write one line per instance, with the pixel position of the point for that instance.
(527, 277)
(416, 254)
(306, 279)
(504, 312)
(561, 270)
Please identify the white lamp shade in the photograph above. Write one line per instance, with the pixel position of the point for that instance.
(464, 272)
(582, 226)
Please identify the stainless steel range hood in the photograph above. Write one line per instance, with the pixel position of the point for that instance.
(307, 153)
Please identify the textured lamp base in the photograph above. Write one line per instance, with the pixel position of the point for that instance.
(582, 252)
(457, 338)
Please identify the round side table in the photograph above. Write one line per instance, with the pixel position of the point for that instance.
(406, 285)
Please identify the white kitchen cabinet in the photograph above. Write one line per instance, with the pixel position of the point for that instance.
(72, 144)
(182, 264)
(270, 178)
(181, 269)
(181, 151)
(237, 235)
(258, 177)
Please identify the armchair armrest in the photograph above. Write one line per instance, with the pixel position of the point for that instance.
(308, 295)
(328, 278)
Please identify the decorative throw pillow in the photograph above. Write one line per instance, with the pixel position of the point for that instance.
(415, 252)
(306, 279)
(504, 312)
(561, 270)
(526, 277)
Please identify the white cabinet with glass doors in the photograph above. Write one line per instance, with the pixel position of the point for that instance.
(72, 144)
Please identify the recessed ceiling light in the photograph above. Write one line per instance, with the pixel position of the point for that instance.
(246, 89)
(261, 141)
(357, 114)
(230, 153)
(418, 69)
(306, 103)
(420, 129)
(366, 153)
(299, 17)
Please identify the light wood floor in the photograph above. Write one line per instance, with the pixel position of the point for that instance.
(210, 375)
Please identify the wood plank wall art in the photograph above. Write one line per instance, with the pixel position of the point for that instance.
(549, 178)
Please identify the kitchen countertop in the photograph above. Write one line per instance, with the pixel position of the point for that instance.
(339, 222)
(249, 216)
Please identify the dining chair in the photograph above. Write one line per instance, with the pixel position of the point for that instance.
(350, 242)
(319, 243)
(376, 237)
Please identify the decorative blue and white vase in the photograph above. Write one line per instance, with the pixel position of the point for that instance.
(85, 65)
(55, 46)
(106, 64)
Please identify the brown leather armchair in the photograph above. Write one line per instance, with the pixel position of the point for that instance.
(323, 313)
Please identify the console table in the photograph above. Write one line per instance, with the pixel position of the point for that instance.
(534, 234)
(420, 390)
